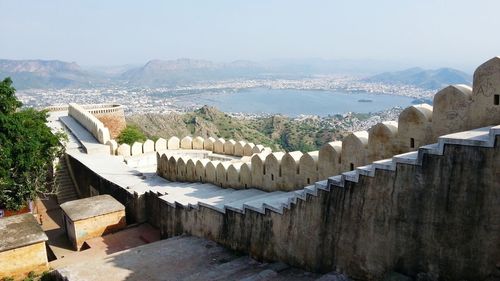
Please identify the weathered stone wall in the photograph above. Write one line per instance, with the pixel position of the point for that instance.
(95, 227)
(17, 263)
(485, 100)
(415, 127)
(86, 178)
(219, 146)
(441, 217)
(114, 121)
(451, 110)
(89, 122)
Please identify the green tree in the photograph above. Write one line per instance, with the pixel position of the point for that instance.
(130, 135)
(27, 150)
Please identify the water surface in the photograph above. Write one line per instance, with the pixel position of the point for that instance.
(296, 102)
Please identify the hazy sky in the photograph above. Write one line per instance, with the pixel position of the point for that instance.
(458, 33)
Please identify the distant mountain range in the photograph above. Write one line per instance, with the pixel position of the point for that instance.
(423, 78)
(45, 74)
(180, 71)
(59, 74)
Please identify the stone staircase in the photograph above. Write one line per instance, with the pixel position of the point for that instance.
(170, 205)
(481, 137)
(193, 195)
(65, 188)
(362, 197)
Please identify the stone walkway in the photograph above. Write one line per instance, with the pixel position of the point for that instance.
(180, 258)
(114, 169)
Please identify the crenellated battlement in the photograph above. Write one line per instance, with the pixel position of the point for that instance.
(455, 108)
(385, 199)
(90, 122)
(418, 125)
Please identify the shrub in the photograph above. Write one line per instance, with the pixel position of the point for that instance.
(130, 135)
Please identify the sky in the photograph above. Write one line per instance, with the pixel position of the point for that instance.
(428, 33)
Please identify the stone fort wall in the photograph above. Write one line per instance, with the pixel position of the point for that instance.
(113, 119)
(439, 215)
(110, 116)
(90, 122)
(455, 108)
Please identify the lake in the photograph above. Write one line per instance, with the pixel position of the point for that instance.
(296, 102)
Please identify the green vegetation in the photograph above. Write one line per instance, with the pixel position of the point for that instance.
(27, 150)
(32, 276)
(277, 132)
(131, 134)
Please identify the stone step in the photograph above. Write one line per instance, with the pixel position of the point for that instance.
(66, 199)
(274, 201)
(482, 137)
(323, 185)
(242, 266)
(193, 199)
(410, 158)
(302, 193)
(333, 276)
(476, 137)
(219, 203)
(278, 203)
(64, 184)
(65, 190)
(64, 180)
(190, 195)
(238, 205)
(264, 275)
(87, 141)
(67, 194)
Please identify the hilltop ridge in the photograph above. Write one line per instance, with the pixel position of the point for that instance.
(277, 131)
(423, 78)
(184, 70)
(44, 73)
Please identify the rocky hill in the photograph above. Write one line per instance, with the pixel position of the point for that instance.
(423, 78)
(170, 72)
(44, 74)
(279, 132)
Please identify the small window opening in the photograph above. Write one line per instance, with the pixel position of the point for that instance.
(308, 181)
(412, 143)
(496, 99)
(352, 166)
(246, 185)
(272, 177)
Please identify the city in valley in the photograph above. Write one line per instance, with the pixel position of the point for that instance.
(141, 100)
(183, 98)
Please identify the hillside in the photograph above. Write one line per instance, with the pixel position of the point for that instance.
(44, 74)
(423, 78)
(279, 132)
(180, 71)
